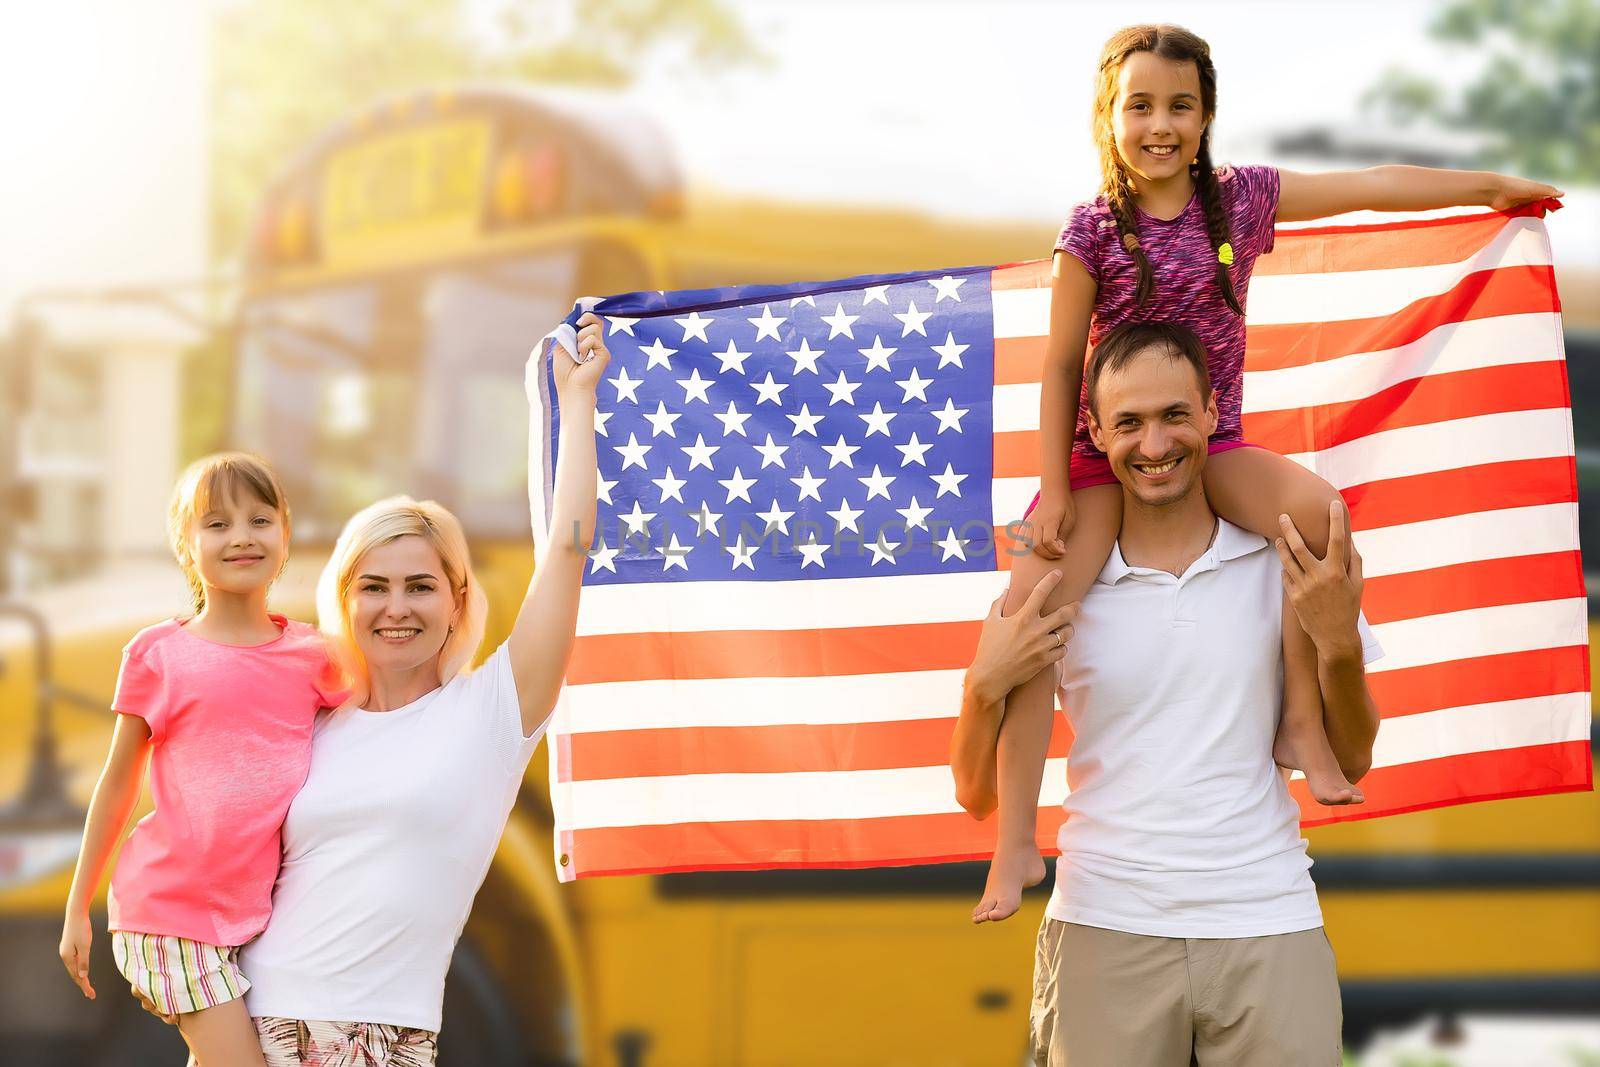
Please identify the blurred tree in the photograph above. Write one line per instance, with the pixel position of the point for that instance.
(283, 70)
(1537, 97)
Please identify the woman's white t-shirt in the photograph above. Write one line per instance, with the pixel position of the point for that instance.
(384, 849)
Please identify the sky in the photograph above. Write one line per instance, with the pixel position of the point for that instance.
(977, 109)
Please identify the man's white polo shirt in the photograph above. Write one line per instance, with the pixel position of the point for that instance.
(1178, 821)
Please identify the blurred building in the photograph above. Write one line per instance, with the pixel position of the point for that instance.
(104, 205)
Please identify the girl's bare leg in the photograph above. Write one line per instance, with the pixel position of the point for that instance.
(1302, 742)
(1025, 729)
(1251, 487)
(223, 1036)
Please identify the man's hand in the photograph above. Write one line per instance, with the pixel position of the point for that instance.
(1013, 648)
(1326, 593)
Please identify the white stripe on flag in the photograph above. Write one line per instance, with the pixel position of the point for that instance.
(1499, 341)
(1460, 635)
(1482, 728)
(1419, 546)
(888, 600)
(810, 701)
(1443, 446)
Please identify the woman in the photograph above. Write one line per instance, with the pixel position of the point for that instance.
(412, 780)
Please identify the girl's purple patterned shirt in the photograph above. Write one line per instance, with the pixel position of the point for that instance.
(1185, 289)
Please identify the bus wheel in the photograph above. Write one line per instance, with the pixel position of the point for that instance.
(479, 1028)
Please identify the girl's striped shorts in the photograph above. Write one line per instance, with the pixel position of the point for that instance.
(178, 975)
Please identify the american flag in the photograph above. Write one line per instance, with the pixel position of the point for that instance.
(804, 495)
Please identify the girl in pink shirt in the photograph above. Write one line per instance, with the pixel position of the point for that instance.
(1173, 238)
(222, 704)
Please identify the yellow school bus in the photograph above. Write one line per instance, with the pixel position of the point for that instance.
(398, 272)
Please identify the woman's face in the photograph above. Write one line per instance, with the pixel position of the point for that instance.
(401, 607)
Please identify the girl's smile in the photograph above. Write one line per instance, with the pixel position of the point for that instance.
(1158, 120)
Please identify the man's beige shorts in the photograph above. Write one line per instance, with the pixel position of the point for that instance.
(1107, 999)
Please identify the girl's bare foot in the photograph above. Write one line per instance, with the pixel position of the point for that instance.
(1013, 869)
(1327, 782)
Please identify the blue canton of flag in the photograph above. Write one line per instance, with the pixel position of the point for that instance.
(790, 432)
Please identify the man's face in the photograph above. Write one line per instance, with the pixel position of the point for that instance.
(1151, 423)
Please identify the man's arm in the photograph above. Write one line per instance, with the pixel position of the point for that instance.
(1326, 595)
(1012, 649)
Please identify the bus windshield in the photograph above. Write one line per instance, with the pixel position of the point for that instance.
(404, 383)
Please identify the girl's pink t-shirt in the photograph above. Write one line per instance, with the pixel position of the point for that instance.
(1185, 290)
(231, 744)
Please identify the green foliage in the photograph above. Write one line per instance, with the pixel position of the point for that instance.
(1537, 96)
(284, 70)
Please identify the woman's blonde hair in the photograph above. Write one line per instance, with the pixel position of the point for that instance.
(378, 524)
(207, 482)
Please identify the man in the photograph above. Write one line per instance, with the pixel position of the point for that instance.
(1184, 925)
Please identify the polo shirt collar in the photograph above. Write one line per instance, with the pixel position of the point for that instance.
(1231, 542)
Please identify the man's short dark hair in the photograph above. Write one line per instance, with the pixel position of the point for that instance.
(1119, 347)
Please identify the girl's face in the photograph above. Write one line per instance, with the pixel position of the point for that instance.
(239, 546)
(1156, 118)
(400, 605)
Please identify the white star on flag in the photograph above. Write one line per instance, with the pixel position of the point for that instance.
(947, 287)
(949, 481)
(661, 420)
(843, 390)
(844, 518)
(877, 483)
(632, 453)
(840, 323)
(949, 416)
(671, 487)
(626, 387)
(878, 420)
(694, 326)
(950, 352)
(733, 420)
(767, 325)
(911, 320)
(699, 453)
(840, 452)
(732, 358)
(805, 357)
(694, 386)
(804, 421)
(808, 485)
(912, 451)
(659, 355)
(878, 355)
(738, 487)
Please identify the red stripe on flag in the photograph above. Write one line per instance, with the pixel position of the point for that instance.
(1019, 360)
(1034, 274)
(1479, 584)
(865, 746)
(1450, 240)
(1562, 767)
(1484, 680)
(1418, 402)
(1480, 295)
(1486, 487)
(792, 843)
(798, 653)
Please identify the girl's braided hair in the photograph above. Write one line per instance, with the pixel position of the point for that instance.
(1179, 45)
